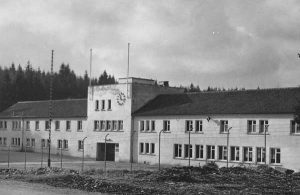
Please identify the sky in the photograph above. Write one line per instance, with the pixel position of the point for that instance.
(228, 43)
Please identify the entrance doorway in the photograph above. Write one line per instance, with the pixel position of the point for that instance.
(110, 151)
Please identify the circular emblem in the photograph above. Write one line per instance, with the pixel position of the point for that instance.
(121, 98)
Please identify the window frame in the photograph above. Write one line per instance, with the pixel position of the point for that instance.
(247, 154)
(264, 126)
(260, 153)
(198, 126)
(224, 126)
(199, 151)
(177, 150)
(222, 153)
(235, 155)
(166, 125)
(274, 152)
(210, 152)
(251, 126)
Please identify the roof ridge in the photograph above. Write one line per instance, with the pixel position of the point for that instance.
(52, 100)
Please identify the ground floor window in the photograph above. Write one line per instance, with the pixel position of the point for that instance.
(3, 141)
(147, 148)
(210, 152)
(177, 150)
(275, 155)
(15, 141)
(222, 153)
(188, 151)
(141, 148)
(248, 153)
(260, 155)
(199, 152)
(234, 153)
(80, 145)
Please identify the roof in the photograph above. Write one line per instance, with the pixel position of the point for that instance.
(69, 108)
(261, 101)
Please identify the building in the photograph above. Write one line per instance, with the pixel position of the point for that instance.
(250, 126)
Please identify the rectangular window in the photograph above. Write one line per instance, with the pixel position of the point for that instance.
(109, 105)
(47, 125)
(251, 127)
(66, 144)
(188, 125)
(114, 125)
(80, 145)
(19, 141)
(235, 153)
(188, 151)
(43, 143)
(199, 152)
(5, 124)
(147, 147)
(222, 152)
(33, 142)
(59, 144)
(260, 155)
(142, 148)
(224, 126)
(275, 155)
(57, 125)
(68, 125)
(166, 125)
(27, 142)
(102, 125)
(0, 140)
(142, 125)
(97, 105)
(37, 125)
(147, 125)
(198, 126)
(263, 126)
(120, 125)
(96, 125)
(248, 153)
(1, 124)
(177, 150)
(295, 127)
(152, 125)
(108, 125)
(102, 104)
(79, 125)
(4, 141)
(152, 148)
(28, 125)
(210, 152)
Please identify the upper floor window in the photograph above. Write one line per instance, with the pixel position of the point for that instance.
(109, 105)
(152, 125)
(189, 125)
(198, 126)
(79, 125)
(142, 125)
(102, 104)
(96, 125)
(47, 125)
(97, 105)
(263, 126)
(3, 124)
(166, 125)
(108, 125)
(102, 125)
(16, 125)
(147, 125)
(295, 127)
(224, 126)
(68, 125)
(177, 150)
(57, 125)
(114, 125)
(251, 127)
(37, 125)
(27, 125)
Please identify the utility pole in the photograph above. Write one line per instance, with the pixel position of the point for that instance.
(159, 148)
(50, 110)
(227, 157)
(105, 153)
(91, 55)
(265, 135)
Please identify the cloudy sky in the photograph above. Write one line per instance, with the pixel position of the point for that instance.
(225, 43)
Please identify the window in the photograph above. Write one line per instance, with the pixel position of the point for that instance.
(152, 148)
(4, 141)
(80, 145)
(141, 148)
(199, 152)
(275, 155)
(109, 105)
(68, 125)
(1, 124)
(142, 125)
(59, 144)
(45, 143)
(263, 126)
(295, 127)
(102, 104)
(96, 105)
(66, 145)
(16, 125)
(166, 125)
(247, 154)
(251, 126)
(108, 125)
(147, 125)
(120, 125)
(260, 155)
(96, 125)
(147, 148)
(224, 126)
(198, 126)
(15, 141)
(79, 125)
(27, 142)
(102, 125)
(37, 125)
(177, 150)
(188, 151)
(222, 152)
(188, 125)
(47, 125)
(152, 125)
(114, 125)
(57, 125)
(235, 153)
(210, 152)
(0, 140)
(33, 142)
(28, 125)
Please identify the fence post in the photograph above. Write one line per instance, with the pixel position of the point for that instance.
(8, 156)
(61, 157)
(42, 156)
(25, 155)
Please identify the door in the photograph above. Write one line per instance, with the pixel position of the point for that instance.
(110, 151)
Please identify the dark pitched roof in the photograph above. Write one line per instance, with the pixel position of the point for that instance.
(70, 108)
(263, 101)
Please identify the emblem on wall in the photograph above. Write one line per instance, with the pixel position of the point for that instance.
(121, 98)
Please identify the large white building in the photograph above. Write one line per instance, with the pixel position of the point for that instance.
(193, 126)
